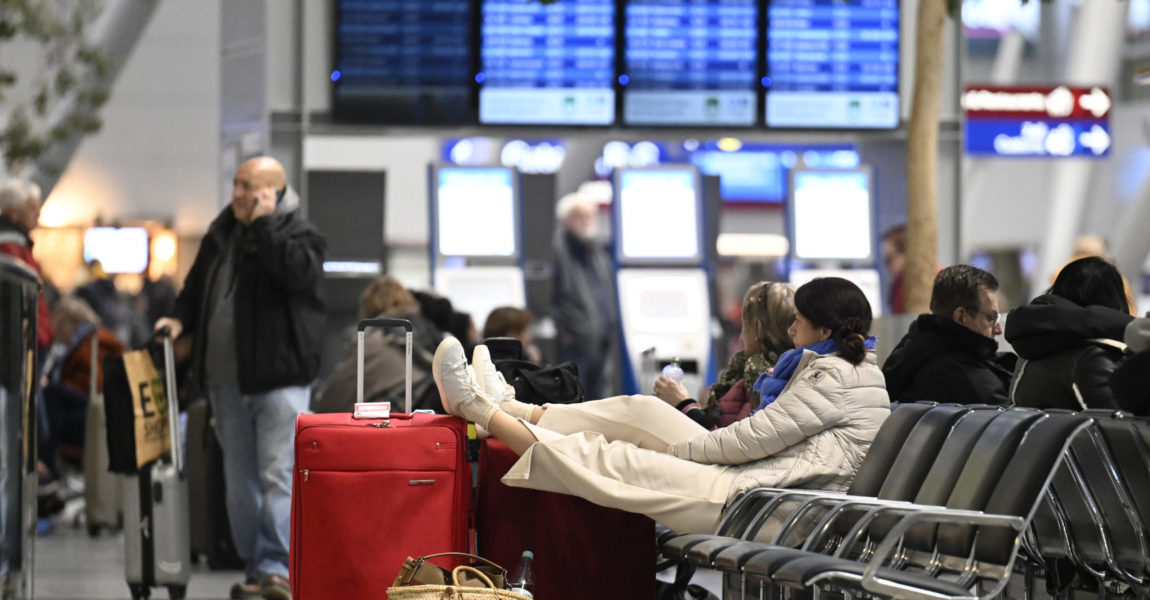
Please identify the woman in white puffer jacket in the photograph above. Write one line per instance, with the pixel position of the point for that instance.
(821, 408)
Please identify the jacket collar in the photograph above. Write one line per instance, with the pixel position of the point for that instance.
(10, 233)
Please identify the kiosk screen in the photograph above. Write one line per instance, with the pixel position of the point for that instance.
(476, 212)
(659, 217)
(831, 215)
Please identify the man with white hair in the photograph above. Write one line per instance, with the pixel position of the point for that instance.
(583, 294)
(19, 215)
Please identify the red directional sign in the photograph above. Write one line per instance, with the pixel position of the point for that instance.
(1048, 102)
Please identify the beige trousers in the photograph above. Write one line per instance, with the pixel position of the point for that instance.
(613, 452)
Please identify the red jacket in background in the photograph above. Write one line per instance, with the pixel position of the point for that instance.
(16, 243)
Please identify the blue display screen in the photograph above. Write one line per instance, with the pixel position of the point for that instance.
(547, 64)
(832, 63)
(691, 62)
(758, 172)
(402, 61)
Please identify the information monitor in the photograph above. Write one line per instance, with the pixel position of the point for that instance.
(119, 249)
(658, 216)
(476, 212)
(832, 64)
(690, 62)
(547, 64)
(831, 216)
(398, 61)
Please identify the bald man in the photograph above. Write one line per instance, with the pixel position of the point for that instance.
(253, 304)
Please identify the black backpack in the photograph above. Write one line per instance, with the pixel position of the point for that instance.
(558, 384)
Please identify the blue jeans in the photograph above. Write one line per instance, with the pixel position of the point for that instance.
(256, 433)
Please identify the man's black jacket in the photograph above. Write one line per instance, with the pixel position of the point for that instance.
(943, 361)
(279, 306)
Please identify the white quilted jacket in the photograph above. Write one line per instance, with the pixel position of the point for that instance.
(813, 436)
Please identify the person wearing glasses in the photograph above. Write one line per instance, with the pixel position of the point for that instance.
(950, 354)
(1068, 339)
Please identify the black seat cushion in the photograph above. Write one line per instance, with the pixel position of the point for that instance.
(885, 447)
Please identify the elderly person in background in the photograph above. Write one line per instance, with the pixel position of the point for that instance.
(19, 215)
(583, 296)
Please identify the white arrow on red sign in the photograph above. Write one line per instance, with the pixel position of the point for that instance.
(1097, 102)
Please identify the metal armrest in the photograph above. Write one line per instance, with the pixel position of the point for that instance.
(874, 584)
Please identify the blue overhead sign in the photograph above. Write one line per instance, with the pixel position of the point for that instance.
(1037, 138)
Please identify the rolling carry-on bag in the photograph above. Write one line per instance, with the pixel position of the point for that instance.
(210, 531)
(582, 550)
(102, 488)
(156, 548)
(369, 492)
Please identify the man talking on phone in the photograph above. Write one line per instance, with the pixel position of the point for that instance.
(253, 305)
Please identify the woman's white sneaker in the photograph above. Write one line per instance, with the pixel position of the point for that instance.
(489, 378)
(457, 388)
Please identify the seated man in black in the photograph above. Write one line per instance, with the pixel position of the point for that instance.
(950, 355)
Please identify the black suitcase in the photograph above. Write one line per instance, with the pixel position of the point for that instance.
(209, 528)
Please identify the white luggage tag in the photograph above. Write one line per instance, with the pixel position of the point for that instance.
(371, 410)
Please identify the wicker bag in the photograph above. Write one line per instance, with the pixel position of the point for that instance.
(455, 591)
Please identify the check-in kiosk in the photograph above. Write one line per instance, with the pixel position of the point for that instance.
(831, 224)
(476, 255)
(664, 299)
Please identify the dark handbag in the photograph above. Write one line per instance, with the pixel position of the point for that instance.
(558, 384)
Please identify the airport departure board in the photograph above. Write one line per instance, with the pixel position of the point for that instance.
(832, 63)
(399, 61)
(548, 64)
(690, 62)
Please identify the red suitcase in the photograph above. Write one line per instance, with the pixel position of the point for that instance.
(582, 550)
(368, 493)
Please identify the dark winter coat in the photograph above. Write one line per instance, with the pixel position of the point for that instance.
(1068, 353)
(279, 306)
(943, 361)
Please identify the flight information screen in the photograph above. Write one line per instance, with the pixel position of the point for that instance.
(690, 62)
(831, 215)
(832, 63)
(548, 64)
(402, 61)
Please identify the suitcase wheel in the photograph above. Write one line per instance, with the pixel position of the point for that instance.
(139, 591)
(177, 592)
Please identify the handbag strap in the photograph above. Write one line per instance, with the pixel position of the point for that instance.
(476, 572)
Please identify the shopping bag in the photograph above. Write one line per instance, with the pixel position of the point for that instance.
(135, 407)
(149, 407)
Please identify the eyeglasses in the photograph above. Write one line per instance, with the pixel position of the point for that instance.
(994, 317)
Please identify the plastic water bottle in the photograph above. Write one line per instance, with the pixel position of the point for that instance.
(523, 577)
(674, 371)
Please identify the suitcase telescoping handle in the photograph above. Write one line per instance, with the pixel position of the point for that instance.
(93, 368)
(172, 394)
(385, 323)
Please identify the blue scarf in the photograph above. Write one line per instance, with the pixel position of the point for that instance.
(770, 385)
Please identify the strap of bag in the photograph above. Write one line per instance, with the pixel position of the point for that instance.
(419, 562)
(476, 572)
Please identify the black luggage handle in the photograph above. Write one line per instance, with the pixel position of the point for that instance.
(385, 322)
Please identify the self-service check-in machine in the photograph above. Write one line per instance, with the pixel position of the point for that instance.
(476, 251)
(664, 299)
(831, 224)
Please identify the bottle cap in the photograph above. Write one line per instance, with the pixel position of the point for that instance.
(529, 554)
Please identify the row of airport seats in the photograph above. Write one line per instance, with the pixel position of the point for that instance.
(951, 502)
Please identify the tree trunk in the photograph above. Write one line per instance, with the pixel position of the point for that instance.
(922, 158)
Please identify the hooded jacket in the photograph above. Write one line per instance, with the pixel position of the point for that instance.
(943, 361)
(279, 306)
(814, 435)
(1068, 353)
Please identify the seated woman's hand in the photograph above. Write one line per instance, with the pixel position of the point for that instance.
(670, 391)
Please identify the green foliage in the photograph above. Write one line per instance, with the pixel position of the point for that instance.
(68, 70)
